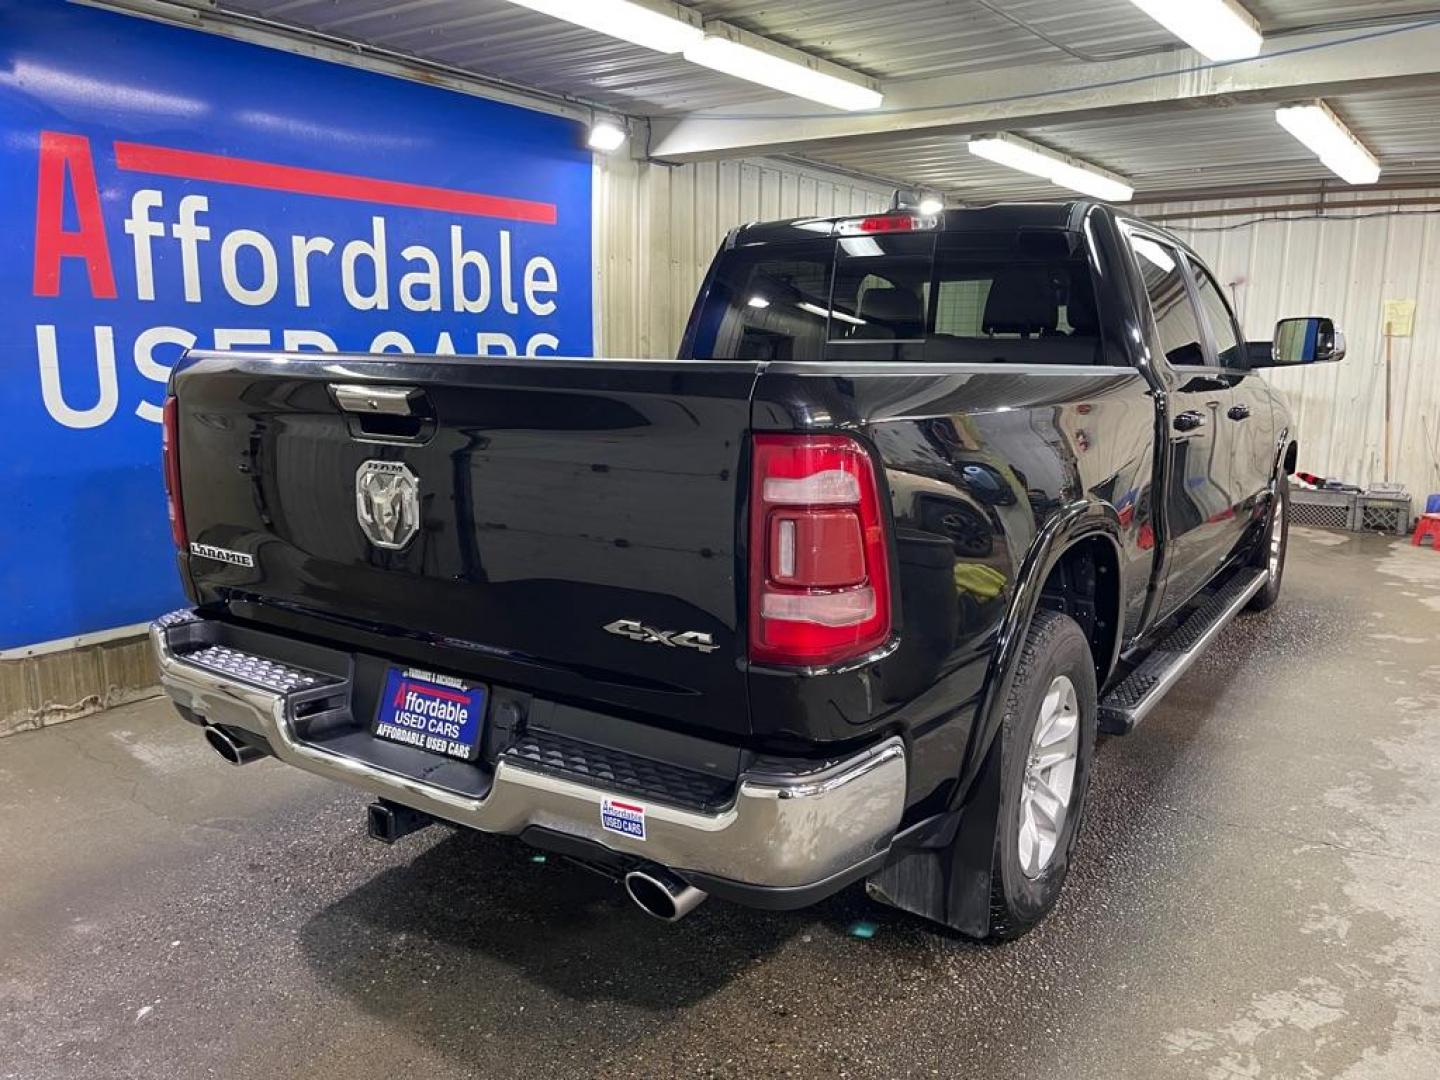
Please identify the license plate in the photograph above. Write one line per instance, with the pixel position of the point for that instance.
(438, 713)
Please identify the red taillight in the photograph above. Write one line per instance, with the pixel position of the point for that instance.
(170, 459)
(819, 569)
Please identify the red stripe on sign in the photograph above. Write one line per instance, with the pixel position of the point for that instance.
(193, 165)
(435, 691)
(627, 806)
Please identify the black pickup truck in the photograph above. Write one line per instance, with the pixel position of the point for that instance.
(845, 591)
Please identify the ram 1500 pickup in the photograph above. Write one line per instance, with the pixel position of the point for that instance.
(844, 591)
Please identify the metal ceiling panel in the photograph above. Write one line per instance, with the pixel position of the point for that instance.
(1187, 149)
(892, 40)
(500, 40)
(900, 40)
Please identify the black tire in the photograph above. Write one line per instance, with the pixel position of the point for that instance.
(1270, 591)
(1054, 646)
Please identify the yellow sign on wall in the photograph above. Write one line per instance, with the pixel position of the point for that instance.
(1399, 317)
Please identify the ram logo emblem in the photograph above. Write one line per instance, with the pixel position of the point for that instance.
(672, 639)
(387, 503)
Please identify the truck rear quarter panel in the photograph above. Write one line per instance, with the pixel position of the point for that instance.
(977, 461)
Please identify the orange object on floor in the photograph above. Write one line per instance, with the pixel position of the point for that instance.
(1428, 525)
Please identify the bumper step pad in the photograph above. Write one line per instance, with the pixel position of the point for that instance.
(1133, 697)
(256, 670)
(586, 763)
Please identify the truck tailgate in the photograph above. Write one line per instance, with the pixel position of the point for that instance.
(572, 514)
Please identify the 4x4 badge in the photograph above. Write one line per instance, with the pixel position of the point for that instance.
(685, 639)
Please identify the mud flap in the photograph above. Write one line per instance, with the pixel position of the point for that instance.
(951, 884)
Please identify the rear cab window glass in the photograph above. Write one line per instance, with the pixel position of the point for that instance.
(1024, 297)
(768, 302)
(882, 288)
(1013, 296)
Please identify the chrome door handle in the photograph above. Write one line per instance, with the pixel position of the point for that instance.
(1238, 412)
(391, 400)
(1189, 420)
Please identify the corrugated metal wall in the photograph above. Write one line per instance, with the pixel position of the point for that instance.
(659, 227)
(1345, 267)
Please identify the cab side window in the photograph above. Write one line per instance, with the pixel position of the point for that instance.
(1174, 311)
(1229, 349)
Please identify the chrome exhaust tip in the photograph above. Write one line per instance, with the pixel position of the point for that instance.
(661, 894)
(232, 749)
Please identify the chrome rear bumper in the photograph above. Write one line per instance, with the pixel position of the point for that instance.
(783, 830)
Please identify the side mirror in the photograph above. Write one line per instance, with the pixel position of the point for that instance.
(1312, 340)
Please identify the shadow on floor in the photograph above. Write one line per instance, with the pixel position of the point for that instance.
(478, 903)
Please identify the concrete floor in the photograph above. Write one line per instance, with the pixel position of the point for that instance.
(1257, 895)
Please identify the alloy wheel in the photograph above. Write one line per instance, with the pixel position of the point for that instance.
(1049, 777)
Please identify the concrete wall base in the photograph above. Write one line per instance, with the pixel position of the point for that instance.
(36, 691)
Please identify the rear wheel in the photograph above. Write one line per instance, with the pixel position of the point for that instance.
(1049, 739)
(1270, 552)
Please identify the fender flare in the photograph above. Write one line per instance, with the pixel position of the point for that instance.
(945, 870)
(1072, 524)
(1278, 472)
(1283, 440)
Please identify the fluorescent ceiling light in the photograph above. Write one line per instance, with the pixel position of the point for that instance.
(1217, 29)
(1061, 169)
(930, 205)
(1153, 253)
(670, 28)
(737, 52)
(655, 24)
(1315, 125)
(1088, 180)
(816, 309)
(606, 135)
(861, 246)
(758, 302)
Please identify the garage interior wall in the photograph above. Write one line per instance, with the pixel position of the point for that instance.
(660, 226)
(1345, 265)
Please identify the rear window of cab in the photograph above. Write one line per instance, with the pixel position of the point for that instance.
(1020, 296)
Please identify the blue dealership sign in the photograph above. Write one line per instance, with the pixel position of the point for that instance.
(161, 188)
